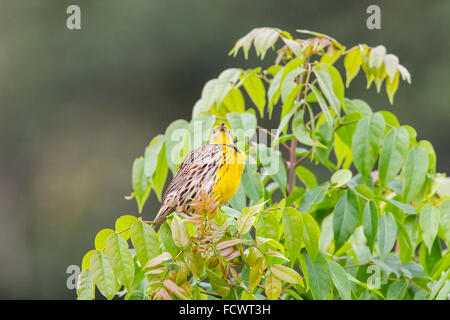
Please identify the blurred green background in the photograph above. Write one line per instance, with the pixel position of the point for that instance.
(76, 107)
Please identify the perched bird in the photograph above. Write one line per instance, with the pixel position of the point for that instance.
(216, 167)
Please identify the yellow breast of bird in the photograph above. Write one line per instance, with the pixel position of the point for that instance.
(229, 173)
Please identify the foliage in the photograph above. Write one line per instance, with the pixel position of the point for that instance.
(366, 233)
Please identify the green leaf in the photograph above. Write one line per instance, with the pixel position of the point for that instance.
(405, 208)
(221, 230)
(390, 119)
(225, 82)
(158, 260)
(256, 273)
(268, 225)
(85, 286)
(404, 73)
(286, 274)
(196, 263)
(290, 83)
(391, 63)
(291, 103)
(392, 86)
(272, 287)
(234, 101)
(311, 197)
(352, 64)
(265, 38)
(341, 177)
(414, 173)
(331, 85)
(319, 277)
(425, 144)
(86, 262)
(340, 280)
(141, 183)
(293, 231)
(136, 295)
(325, 137)
(103, 274)
(444, 213)
(246, 219)
(345, 217)
(218, 284)
(430, 260)
(300, 131)
(256, 91)
(365, 191)
(160, 175)
(123, 225)
(294, 46)
(165, 234)
(393, 154)
(251, 181)
(311, 235)
(370, 223)
(273, 93)
(180, 234)
(151, 155)
(366, 143)
(357, 106)
(306, 176)
(397, 290)
(365, 286)
(121, 259)
(245, 43)
(176, 290)
(322, 104)
(437, 285)
(444, 292)
(429, 223)
(101, 237)
(387, 233)
(238, 201)
(326, 233)
(376, 57)
(176, 139)
(145, 241)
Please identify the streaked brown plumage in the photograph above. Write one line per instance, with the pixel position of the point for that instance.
(216, 167)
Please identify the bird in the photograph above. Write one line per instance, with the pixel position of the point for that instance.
(215, 169)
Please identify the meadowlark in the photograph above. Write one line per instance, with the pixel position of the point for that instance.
(215, 168)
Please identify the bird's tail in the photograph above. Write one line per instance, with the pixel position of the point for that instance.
(163, 212)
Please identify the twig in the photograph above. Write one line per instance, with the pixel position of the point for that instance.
(340, 124)
(212, 294)
(299, 161)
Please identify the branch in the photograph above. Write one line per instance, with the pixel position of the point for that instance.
(299, 161)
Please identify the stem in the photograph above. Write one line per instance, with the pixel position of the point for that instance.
(212, 294)
(346, 123)
(299, 161)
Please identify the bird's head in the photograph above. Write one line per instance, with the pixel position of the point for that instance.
(221, 135)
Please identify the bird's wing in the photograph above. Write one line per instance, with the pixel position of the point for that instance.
(195, 167)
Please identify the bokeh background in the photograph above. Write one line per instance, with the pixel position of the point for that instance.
(77, 107)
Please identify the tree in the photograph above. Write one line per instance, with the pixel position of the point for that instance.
(379, 228)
